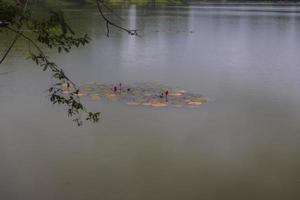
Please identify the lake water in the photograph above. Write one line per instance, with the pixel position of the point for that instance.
(244, 144)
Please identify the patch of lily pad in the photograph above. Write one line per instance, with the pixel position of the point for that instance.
(151, 94)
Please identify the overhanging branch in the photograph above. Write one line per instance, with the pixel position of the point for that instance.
(5, 24)
(71, 98)
(100, 3)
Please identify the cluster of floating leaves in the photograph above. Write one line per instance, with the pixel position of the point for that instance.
(141, 94)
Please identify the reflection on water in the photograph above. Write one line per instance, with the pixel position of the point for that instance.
(244, 145)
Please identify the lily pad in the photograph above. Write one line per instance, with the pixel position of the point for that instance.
(151, 94)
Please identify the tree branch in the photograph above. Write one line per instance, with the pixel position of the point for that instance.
(20, 33)
(56, 92)
(108, 22)
(4, 24)
(9, 49)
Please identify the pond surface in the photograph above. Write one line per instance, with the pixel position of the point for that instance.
(242, 145)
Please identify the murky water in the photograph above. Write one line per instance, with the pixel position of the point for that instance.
(243, 145)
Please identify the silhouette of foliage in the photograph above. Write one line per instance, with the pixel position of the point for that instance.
(54, 32)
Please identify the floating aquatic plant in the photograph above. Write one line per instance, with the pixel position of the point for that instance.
(140, 94)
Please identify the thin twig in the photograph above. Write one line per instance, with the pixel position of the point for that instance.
(108, 22)
(9, 48)
(107, 29)
(15, 38)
